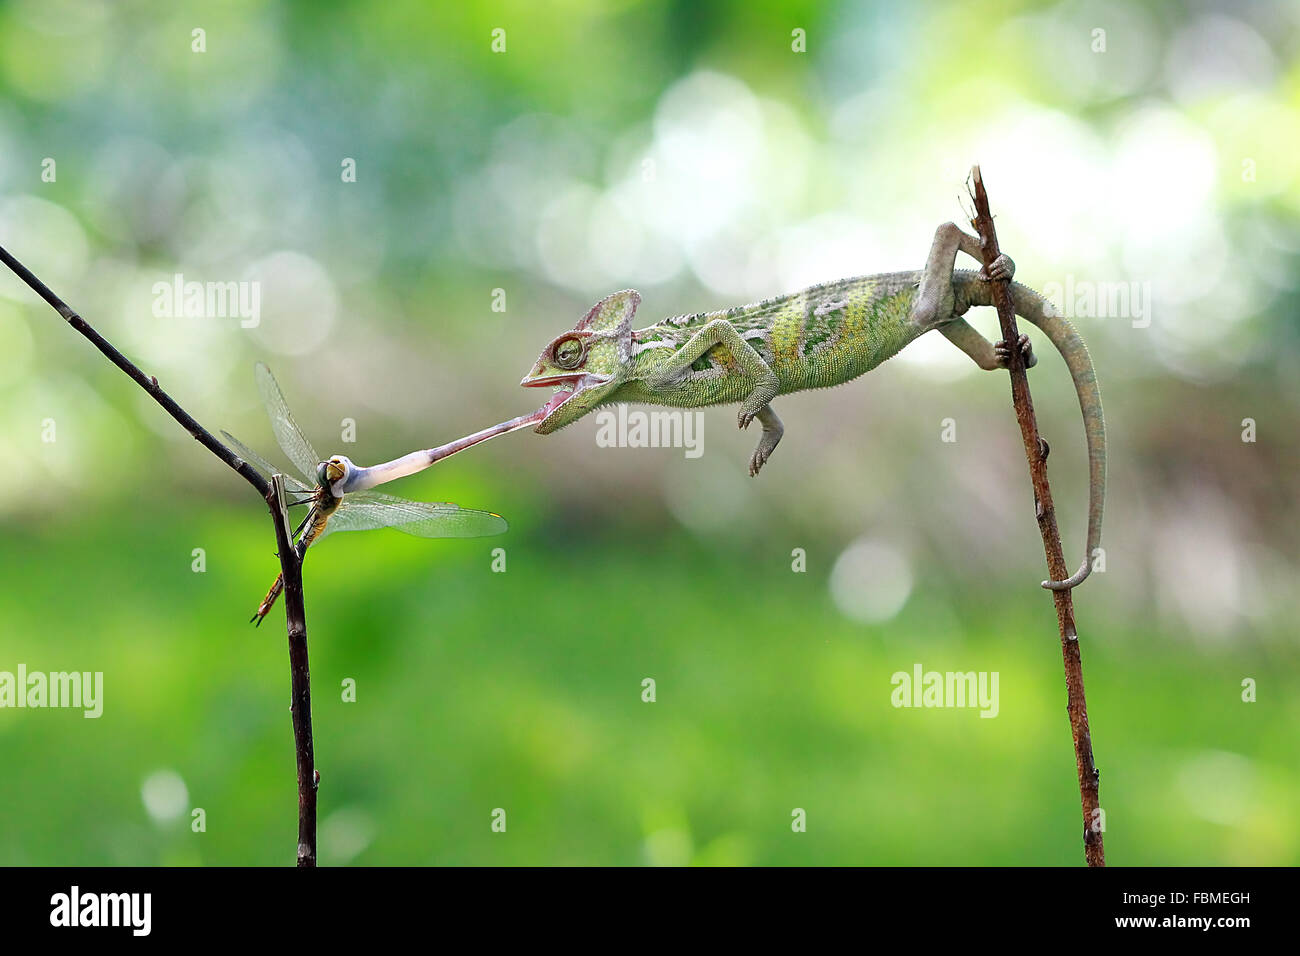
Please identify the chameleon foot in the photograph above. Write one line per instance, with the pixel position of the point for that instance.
(1003, 268)
(1003, 353)
(767, 441)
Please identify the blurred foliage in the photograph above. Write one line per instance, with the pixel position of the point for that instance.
(683, 149)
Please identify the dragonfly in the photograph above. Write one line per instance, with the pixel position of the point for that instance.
(338, 493)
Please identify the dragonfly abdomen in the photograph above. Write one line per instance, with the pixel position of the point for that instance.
(269, 601)
(316, 523)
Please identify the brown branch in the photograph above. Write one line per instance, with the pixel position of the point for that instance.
(290, 560)
(299, 673)
(148, 382)
(1036, 454)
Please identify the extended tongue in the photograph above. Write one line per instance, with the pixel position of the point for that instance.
(363, 478)
(460, 444)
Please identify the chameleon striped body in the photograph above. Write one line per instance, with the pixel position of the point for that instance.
(825, 335)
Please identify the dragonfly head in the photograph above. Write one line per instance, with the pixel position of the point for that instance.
(334, 473)
(587, 364)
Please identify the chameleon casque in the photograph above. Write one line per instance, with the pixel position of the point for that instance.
(825, 335)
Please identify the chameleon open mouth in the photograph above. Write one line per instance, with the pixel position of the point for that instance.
(562, 395)
(566, 386)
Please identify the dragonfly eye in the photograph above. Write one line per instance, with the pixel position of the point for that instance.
(569, 352)
(332, 470)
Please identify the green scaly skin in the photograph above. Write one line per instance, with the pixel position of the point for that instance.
(825, 335)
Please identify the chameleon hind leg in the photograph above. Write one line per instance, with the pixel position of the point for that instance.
(722, 332)
(935, 300)
(984, 353)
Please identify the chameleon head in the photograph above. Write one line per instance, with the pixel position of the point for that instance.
(586, 365)
(334, 473)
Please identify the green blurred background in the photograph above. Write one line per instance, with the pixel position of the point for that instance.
(688, 151)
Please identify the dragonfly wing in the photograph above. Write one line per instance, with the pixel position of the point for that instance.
(364, 510)
(287, 432)
(246, 453)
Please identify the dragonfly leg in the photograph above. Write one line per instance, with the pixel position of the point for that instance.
(307, 517)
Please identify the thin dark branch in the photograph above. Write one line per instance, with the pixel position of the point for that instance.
(1036, 455)
(290, 558)
(148, 382)
(299, 673)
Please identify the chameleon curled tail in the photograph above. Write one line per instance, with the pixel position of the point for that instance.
(1043, 314)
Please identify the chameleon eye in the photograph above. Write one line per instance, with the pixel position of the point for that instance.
(569, 352)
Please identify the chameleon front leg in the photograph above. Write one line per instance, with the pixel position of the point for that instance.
(722, 332)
